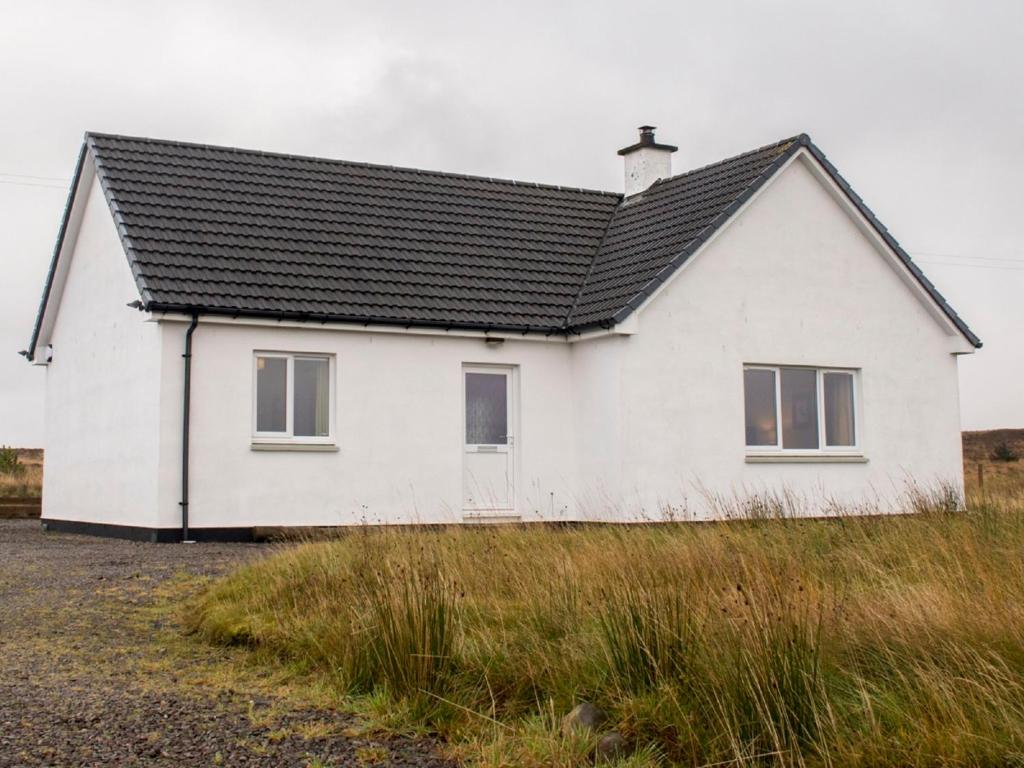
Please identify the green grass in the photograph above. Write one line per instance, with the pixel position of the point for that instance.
(856, 642)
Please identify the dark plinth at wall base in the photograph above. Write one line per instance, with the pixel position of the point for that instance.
(140, 533)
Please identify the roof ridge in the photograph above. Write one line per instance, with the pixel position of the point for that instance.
(350, 163)
(801, 138)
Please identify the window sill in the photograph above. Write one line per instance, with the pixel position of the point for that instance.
(806, 458)
(290, 446)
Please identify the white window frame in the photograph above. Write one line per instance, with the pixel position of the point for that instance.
(823, 449)
(288, 435)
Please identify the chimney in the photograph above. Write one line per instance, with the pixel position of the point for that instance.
(646, 161)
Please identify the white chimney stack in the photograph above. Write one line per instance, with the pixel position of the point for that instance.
(646, 161)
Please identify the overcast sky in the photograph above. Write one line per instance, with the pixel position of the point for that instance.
(917, 103)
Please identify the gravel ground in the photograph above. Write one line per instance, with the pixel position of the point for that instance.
(85, 681)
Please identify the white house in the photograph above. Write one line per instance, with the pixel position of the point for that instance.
(237, 339)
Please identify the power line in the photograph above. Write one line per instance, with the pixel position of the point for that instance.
(972, 266)
(43, 178)
(965, 256)
(32, 184)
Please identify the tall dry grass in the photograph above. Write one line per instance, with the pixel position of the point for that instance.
(21, 472)
(847, 642)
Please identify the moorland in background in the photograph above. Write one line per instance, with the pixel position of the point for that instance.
(21, 472)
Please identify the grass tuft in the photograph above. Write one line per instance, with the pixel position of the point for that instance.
(410, 630)
(647, 634)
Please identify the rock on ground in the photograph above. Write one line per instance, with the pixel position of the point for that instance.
(584, 717)
(610, 747)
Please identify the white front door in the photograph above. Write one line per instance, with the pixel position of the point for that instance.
(488, 467)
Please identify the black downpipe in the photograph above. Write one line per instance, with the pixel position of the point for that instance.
(186, 404)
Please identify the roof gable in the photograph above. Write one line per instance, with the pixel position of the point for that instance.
(652, 233)
(238, 232)
(887, 237)
(624, 255)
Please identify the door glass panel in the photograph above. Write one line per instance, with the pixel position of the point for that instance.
(486, 409)
(312, 397)
(271, 394)
(799, 408)
(839, 421)
(759, 399)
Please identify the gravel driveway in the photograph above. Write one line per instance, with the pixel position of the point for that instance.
(84, 679)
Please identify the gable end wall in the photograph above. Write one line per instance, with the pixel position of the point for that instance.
(101, 386)
(791, 280)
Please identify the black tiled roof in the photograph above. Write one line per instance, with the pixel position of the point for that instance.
(238, 232)
(653, 232)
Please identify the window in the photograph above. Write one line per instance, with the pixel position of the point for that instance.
(759, 393)
(840, 429)
(293, 399)
(486, 408)
(800, 409)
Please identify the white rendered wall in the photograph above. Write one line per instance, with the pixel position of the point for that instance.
(101, 386)
(790, 281)
(398, 424)
(599, 415)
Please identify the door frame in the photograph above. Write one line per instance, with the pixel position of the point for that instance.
(512, 372)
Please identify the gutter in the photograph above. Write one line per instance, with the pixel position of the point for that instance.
(181, 313)
(185, 409)
(365, 321)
